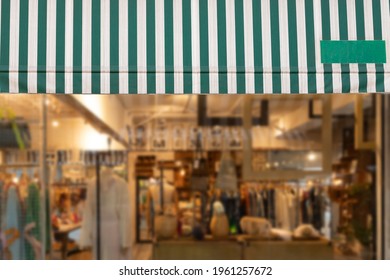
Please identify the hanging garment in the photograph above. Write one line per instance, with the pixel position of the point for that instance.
(335, 221)
(243, 207)
(14, 222)
(292, 206)
(282, 210)
(23, 188)
(264, 195)
(316, 202)
(271, 206)
(32, 216)
(36, 245)
(114, 219)
(246, 203)
(2, 238)
(252, 204)
(260, 205)
(325, 209)
(231, 203)
(2, 208)
(304, 209)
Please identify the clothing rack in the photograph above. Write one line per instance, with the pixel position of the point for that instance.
(19, 165)
(70, 185)
(275, 184)
(22, 202)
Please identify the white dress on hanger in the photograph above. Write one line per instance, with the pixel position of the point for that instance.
(115, 239)
(282, 210)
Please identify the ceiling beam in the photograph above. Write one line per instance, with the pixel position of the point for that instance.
(91, 118)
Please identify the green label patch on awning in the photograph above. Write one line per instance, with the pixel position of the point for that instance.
(353, 51)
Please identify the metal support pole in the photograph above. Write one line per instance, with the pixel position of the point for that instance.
(98, 237)
(385, 207)
(43, 173)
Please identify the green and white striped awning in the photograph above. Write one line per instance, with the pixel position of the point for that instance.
(191, 46)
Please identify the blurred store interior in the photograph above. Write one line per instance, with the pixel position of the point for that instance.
(190, 176)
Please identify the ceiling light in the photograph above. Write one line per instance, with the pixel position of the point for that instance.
(311, 156)
(55, 123)
(278, 132)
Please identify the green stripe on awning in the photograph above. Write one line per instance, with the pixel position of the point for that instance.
(194, 46)
(353, 52)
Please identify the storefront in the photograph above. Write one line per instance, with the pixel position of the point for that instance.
(274, 162)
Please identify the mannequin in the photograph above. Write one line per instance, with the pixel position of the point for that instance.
(13, 223)
(154, 198)
(115, 217)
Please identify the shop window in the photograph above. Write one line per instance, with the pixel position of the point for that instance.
(294, 142)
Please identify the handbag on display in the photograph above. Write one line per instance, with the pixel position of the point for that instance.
(219, 225)
(256, 227)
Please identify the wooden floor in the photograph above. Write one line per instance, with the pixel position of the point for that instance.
(140, 252)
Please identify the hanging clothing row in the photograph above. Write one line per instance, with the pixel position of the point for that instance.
(19, 209)
(277, 202)
(285, 205)
(313, 204)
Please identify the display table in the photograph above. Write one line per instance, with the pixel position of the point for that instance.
(242, 249)
(62, 234)
(288, 250)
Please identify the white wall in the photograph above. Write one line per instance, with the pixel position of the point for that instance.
(267, 138)
(72, 134)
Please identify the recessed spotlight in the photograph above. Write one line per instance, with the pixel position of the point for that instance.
(311, 156)
(55, 123)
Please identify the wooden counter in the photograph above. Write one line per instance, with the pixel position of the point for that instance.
(189, 249)
(288, 250)
(241, 249)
